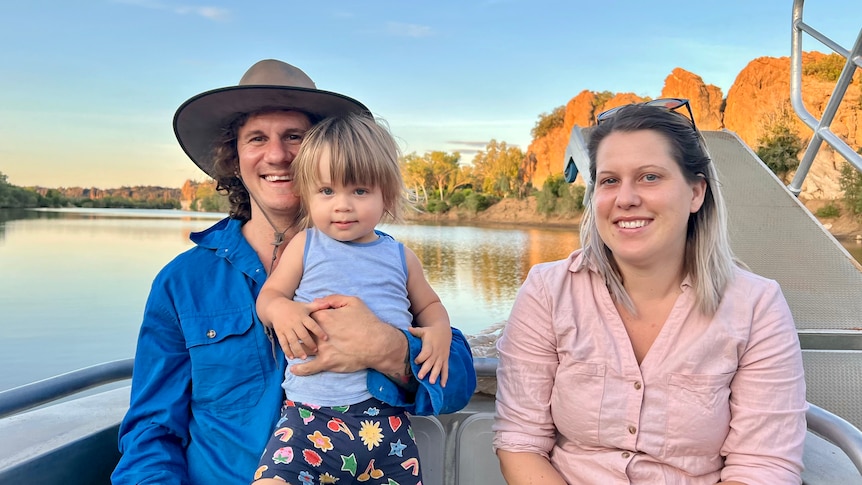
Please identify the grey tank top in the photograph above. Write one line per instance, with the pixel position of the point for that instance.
(376, 272)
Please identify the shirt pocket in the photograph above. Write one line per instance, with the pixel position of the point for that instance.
(576, 402)
(698, 417)
(225, 354)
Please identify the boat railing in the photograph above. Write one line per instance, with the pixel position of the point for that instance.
(821, 422)
(821, 127)
(52, 389)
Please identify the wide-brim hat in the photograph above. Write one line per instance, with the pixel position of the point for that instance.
(269, 84)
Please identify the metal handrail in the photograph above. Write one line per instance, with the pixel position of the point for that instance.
(22, 398)
(837, 431)
(821, 128)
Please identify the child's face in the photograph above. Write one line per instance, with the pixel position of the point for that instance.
(344, 213)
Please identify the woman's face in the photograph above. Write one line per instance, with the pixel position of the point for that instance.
(267, 144)
(642, 200)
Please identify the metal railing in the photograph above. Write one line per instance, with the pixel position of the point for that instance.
(821, 127)
(48, 390)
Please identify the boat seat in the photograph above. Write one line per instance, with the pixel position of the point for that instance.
(431, 440)
(476, 461)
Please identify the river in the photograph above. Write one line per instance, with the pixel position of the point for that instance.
(74, 281)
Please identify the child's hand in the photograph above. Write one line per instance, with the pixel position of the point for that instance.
(434, 356)
(296, 331)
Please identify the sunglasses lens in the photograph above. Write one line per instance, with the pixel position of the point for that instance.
(604, 115)
(669, 103)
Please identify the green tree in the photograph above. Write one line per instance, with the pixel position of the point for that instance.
(549, 121)
(207, 199)
(14, 197)
(495, 169)
(444, 169)
(779, 146)
(851, 184)
(416, 174)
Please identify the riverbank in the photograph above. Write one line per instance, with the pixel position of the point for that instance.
(524, 213)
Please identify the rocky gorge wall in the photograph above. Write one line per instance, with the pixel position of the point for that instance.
(759, 94)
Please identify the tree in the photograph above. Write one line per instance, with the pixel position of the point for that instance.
(416, 174)
(549, 121)
(495, 169)
(851, 183)
(444, 169)
(779, 146)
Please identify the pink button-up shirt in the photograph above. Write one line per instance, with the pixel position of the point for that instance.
(715, 398)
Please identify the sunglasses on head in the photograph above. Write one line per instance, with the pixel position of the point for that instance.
(671, 104)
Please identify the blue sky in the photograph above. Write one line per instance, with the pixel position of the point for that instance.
(88, 88)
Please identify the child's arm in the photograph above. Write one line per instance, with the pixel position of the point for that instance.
(275, 306)
(433, 322)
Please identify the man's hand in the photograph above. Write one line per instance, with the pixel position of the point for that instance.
(357, 340)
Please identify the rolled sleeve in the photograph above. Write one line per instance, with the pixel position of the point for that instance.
(525, 374)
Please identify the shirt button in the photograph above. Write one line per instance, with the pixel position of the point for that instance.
(626, 454)
(637, 385)
(257, 270)
(632, 429)
(211, 333)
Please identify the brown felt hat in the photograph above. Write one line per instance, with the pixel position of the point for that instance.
(269, 84)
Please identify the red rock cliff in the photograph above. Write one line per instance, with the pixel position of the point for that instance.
(760, 92)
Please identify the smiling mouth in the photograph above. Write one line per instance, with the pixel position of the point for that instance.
(632, 224)
(277, 178)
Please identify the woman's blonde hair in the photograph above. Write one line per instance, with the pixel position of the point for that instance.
(361, 152)
(708, 259)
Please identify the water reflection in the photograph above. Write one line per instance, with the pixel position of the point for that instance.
(477, 271)
(74, 283)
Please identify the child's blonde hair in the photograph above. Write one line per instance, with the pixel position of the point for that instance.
(361, 152)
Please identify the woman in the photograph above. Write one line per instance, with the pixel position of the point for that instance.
(649, 356)
(206, 382)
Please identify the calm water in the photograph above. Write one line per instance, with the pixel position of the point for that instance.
(73, 283)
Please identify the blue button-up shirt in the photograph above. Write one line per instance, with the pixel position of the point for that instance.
(206, 387)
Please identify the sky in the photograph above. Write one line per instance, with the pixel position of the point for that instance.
(88, 88)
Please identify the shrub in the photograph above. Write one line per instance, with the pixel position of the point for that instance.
(557, 196)
(827, 211)
(779, 146)
(827, 68)
(478, 202)
(436, 206)
(458, 197)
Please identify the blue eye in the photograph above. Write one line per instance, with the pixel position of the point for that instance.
(326, 191)
(651, 177)
(361, 191)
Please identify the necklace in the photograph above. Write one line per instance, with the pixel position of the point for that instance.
(278, 240)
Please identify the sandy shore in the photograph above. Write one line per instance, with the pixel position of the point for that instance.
(523, 212)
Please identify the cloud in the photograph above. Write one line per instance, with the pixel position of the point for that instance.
(480, 144)
(211, 13)
(399, 29)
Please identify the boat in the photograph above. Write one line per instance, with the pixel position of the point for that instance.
(64, 429)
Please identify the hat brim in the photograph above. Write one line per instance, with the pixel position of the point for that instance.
(199, 122)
